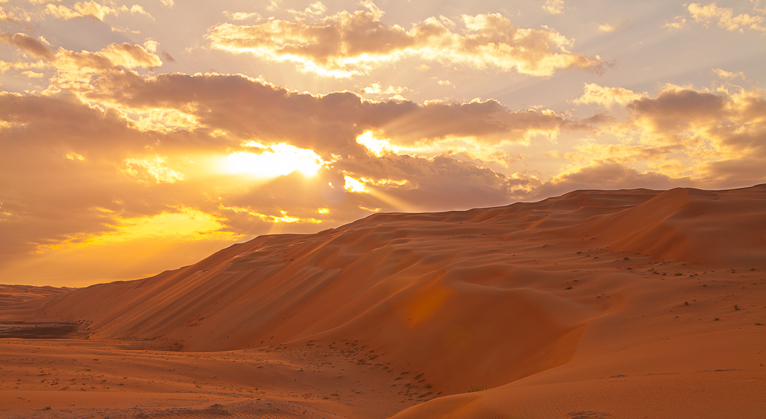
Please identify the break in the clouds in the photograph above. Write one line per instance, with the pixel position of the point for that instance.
(110, 146)
(352, 43)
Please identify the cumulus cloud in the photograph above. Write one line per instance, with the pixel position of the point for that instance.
(347, 44)
(554, 7)
(246, 108)
(680, 132)
(606, 96)
(725, 18)
(610, 175)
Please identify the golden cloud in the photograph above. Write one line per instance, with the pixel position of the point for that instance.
(92, 9)
(554, 7)
(725, 18)
(606, 96)
(348, 44)
(681, 132)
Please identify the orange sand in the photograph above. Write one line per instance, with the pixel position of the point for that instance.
(575, 306)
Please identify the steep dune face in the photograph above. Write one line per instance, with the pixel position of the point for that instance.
(473, 299)
(714, 228)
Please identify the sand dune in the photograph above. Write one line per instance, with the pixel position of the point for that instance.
(631, 303)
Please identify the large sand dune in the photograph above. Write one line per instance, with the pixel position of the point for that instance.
(631, 303)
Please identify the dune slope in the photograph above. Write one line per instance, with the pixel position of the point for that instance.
(531, 302)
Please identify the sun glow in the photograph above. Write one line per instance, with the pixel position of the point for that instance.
(374, 145)
(274, 160)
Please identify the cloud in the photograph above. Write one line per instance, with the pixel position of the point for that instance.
(727, 75)
(554, 7)
(16, 15)
(607, 27)
(606, 96)
(725, 18)
(348, 44)
(682, 132)
(90, 8)
(130, 56)
(247, 108)
(315, 9)
(242, 15)
(678, 23)
(677, 109)
(375, 89)
(27, 44)
(94, 10)
(607, 175)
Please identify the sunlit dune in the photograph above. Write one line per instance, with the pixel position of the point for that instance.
(627, 303)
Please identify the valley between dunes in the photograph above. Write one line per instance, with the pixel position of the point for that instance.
(594, 304)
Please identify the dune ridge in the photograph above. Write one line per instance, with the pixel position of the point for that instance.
(492, 309)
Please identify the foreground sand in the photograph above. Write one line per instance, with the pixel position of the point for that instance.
(596, 304)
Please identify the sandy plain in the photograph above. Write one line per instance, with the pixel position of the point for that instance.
(595, 304)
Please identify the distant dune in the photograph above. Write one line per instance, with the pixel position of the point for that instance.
(594, 304)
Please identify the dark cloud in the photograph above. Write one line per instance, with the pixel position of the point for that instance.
(676, 109)
(328, 123)
(28, 45)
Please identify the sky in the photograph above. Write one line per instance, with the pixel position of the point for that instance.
(143, 135)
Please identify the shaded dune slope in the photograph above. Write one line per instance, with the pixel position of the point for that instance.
(471, 298)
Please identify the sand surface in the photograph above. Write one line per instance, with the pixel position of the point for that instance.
(595, 304)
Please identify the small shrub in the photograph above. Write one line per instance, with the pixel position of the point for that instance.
(474, 388)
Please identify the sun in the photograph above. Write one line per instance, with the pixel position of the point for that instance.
(274, 160)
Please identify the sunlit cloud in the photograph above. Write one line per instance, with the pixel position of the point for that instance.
(92, 9)
(283, 217)
(376, 89)
(554, 7)
(728, 75)
(74, 156)
(724, 18)
(274, 160)
(348, 44)
(151, 167)
(374, 145)
(242, 15)
(606, 96)
(681, 132)
(679, 22)
(607, 27)
(14, 14)
(313, 10)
